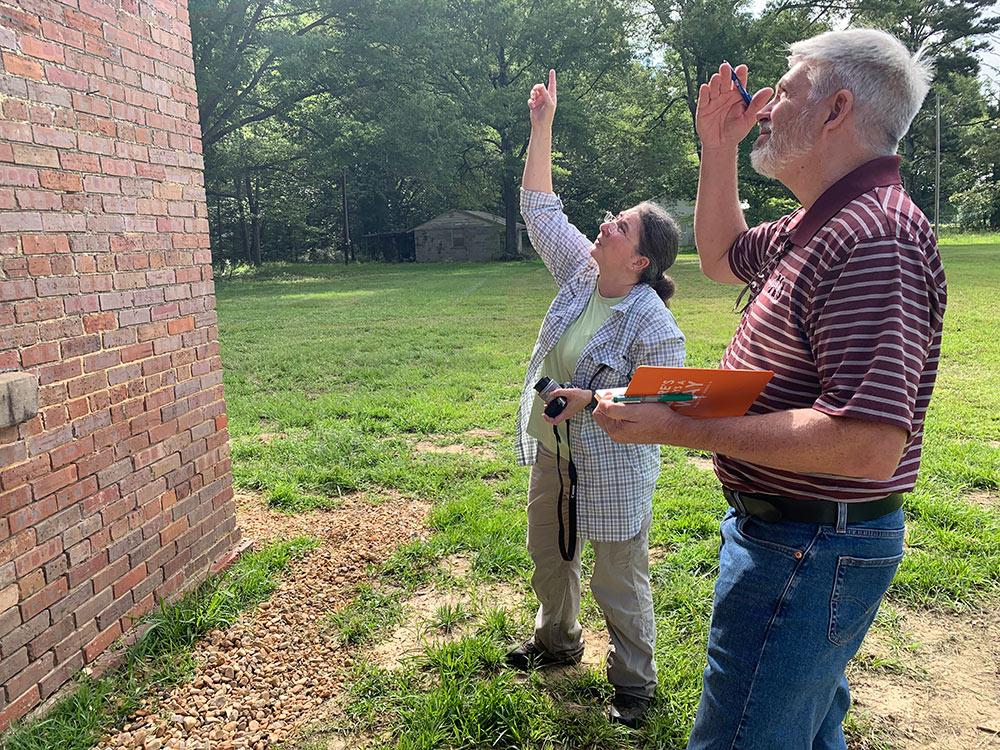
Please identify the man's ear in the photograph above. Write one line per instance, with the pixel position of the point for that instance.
(841, 108)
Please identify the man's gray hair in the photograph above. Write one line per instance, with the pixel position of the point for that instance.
(888, 83)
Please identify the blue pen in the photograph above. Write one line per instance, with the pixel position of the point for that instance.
(743, 92)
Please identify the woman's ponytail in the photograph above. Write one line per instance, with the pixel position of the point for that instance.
(659, 243)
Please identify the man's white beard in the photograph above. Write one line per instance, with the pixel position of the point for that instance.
(783, 146)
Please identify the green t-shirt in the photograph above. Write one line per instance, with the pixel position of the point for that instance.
(560, 363)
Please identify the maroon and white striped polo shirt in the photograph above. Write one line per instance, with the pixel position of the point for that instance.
(848, 307)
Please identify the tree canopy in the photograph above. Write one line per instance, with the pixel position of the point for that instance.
(411, 107)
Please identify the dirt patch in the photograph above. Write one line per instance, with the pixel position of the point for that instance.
(261, 679)
(987, 500)
(701, 462)
(478, 432)
(269, 437)
(450, 444)
(932, 680)
(420, 627)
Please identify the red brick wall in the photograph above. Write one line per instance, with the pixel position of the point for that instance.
(119, 491)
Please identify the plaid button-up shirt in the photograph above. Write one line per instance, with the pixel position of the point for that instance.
(616, 482)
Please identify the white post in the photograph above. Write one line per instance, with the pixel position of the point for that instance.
(937, 167)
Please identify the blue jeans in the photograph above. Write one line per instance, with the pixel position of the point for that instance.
(792, 604)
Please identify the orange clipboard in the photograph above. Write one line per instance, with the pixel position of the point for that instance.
(717, 393)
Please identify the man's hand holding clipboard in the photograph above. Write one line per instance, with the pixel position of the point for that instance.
(657, 396)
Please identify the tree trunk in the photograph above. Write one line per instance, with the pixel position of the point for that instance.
(511, 204)
(348, 250)
(217, 242)
(508, 187)
(244, 229)
(253, 196)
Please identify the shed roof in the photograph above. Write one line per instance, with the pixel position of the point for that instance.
(482, 216)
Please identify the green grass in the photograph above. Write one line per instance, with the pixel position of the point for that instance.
(160, 659)
(350, 368)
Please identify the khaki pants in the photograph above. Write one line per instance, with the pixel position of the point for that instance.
(620, 584)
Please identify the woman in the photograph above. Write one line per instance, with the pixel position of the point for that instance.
(609, 317)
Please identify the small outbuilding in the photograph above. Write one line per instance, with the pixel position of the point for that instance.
(459, 235)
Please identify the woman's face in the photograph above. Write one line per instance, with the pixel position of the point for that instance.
(617, 244)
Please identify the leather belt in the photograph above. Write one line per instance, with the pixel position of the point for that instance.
(773, 508)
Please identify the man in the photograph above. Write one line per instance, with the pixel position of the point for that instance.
(844, 300)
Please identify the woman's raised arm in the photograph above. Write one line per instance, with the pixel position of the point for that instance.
(538, 165)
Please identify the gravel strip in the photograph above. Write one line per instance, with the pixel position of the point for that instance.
(270, 673)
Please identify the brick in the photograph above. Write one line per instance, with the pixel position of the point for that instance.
(18, 131)
(17, 289)
(44, 599)
(13, 664)
(38, 556)
(23, 221)
(173, 531)
(9, 620)
(58, 676)
(32, 514)
(100, 322)
(37, 200)
(54, 481)
(39, 309)
(36, 355)
(18, 707)
(25, 472)
(60, 181)
(66, 520)
(125, 584)
(54, 137)
(180, 326)
(115, 612)
(87, 570)
(72, 451)
(19, 20)
(101, 642)
(79, 162)
(14, 499)
(20, 66)
(143, 605)
(18, 177)
(106, 576)
(42, 50)
(9, 597)
(21, 635)
(37, 156)
(32, 675)
(48, 440)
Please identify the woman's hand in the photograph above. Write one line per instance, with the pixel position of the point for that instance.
(722, 118)
(576, 400)
(542, 102)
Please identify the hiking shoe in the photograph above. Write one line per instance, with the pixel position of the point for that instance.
(629, 710)
(529, 655)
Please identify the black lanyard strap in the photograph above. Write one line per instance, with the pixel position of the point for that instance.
(567, 520)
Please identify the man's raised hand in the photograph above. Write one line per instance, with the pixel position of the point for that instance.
(722, 117)
(542, 102)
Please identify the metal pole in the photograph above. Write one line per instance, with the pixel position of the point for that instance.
(937, 168)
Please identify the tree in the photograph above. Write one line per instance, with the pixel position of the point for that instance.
(490, 52)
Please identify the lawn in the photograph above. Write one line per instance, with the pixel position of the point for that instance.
(345, 370)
